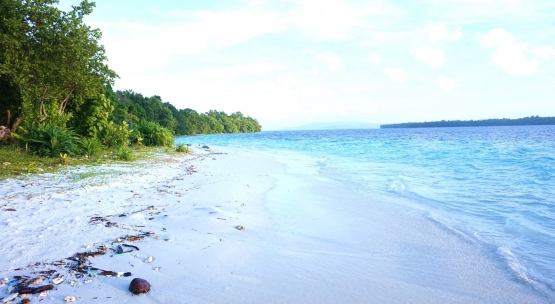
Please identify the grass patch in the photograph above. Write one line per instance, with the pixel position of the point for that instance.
(15, 161)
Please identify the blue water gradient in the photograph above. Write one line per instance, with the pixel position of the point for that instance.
(492, 186)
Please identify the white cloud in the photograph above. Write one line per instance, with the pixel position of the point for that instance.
(436, 32)
(374, 58)
(545, 52)
(136, 47)
(509, 54)
(329, 19)
(429, 55)
(381, 38)
(333, 61)
(252, 69)
(445, 83)
(396, 75)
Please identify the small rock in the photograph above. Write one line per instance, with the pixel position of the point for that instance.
(25, 301)
(139, 286)
(69, 299)
(240, 228)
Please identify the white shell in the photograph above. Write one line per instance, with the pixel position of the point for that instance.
(69, 299)
(149, 260)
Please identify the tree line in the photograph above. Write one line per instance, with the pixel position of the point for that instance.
(131, 106)
(525, 121)
(53, 71)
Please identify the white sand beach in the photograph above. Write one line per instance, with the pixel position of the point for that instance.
(305, 239)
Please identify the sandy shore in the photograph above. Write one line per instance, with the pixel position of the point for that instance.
(307, 239)
(191, 203)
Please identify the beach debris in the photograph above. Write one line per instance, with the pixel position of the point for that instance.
(240, 228)
(35, 281)
(149, 260)
(124, 274)
(206, 147)
(131, 246)
(59, 279)
(139, 286)
(34, 290)
(156, 268)
(10, 210)
(133, 238)
(10, 298)
(25, 301)
(88, 281)
(69, 299)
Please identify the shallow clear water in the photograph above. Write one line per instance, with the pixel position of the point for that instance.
(492, 186)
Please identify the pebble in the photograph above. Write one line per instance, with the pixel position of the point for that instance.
(139, 286)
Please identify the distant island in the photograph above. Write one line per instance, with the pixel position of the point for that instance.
(525, 121)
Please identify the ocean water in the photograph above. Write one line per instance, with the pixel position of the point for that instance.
(493, 187)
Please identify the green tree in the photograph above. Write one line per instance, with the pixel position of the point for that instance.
(51, 57)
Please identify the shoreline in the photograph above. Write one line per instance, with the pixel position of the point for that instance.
(307, 238)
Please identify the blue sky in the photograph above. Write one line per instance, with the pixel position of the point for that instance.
(294, 62)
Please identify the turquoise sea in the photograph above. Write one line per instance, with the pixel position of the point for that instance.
(493, 187)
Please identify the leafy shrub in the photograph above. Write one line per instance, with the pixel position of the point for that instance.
(124, 153)
(154, 135)
(114, 135)
(136, 137)
(90, 146)
(182, 148)
(51, 140)
(64, 159)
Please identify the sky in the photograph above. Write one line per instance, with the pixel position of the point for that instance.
(293, 62)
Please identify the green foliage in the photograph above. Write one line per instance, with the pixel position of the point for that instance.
(64, 159)
(154, 135)
(90, 146)
(182, 148)
(51, 57)
(179, 122)
(114, 135)
(124, 154)
(51, 140)
(92, 117)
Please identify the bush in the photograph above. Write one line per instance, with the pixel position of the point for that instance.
(114, 135)
(154, 135)
(182, 148)
(125, 154)
(51, 140)
(90, 146)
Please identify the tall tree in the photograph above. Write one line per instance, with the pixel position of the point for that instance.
(52, 57)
